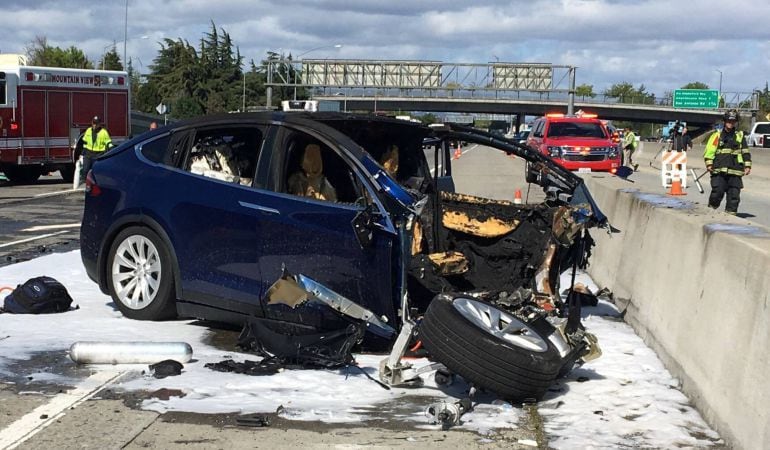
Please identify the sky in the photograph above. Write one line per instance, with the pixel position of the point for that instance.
(660, 44)
(624, 399)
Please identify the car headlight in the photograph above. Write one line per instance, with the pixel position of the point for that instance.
(554, 151)
(611, 151)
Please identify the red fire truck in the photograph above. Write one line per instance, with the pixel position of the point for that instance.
(43, 111)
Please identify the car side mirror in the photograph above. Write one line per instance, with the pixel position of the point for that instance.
(363, 227)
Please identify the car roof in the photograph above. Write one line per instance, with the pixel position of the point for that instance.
(316, 121)
(574, 119)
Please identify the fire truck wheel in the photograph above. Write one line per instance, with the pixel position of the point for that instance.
(139, 275)
(22, 175)
(68, 173)
(490, 347)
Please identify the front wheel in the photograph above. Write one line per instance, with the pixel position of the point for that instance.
(529, 175)
(139, 275)
(490, 347)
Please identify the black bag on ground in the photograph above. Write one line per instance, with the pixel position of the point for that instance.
(39, 295)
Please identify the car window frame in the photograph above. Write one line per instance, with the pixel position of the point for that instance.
(273, 168)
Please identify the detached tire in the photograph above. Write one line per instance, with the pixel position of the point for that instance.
(139, 275)
(489, 347)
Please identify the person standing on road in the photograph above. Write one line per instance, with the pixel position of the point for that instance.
(96, 140)
(629, 147)
(728, 160)
(686, 140)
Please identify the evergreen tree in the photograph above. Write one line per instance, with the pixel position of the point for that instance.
(39, 53)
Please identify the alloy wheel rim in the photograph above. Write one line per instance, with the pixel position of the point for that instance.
(500, 324)
(136, 272)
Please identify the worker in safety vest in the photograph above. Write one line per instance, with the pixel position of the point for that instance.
(728, 160)
(629, 147)
(96, 140)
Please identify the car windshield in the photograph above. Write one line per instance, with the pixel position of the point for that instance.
(576, 129)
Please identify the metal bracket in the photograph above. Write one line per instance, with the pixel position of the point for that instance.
(395, 372)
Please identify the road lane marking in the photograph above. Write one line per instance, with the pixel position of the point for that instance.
(52, 227)
(33, 238)
(67, 191)
(44, 415)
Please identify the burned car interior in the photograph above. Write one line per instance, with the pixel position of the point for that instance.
(389, 255)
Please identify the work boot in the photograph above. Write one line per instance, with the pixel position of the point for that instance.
(636, 167)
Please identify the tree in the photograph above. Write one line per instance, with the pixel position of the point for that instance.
(111, 60)
(39, 53)
(585, 90)
(695, 85)
(428, 118)
(626, 93)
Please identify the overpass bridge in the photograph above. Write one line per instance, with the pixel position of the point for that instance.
(516, 89)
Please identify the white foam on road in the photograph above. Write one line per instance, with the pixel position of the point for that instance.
(627, 400)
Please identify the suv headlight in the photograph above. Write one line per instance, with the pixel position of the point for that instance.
(554, 151)
(611, 151)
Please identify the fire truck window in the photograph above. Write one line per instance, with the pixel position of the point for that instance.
(2, 89)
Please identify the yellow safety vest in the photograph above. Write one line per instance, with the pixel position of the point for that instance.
(100, 144)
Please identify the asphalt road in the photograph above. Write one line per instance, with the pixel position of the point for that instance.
(37, 219)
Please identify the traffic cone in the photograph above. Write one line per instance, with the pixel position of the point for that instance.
(676, 187)
(458, 152)
(517, 197)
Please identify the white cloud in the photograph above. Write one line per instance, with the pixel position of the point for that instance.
(661, 44)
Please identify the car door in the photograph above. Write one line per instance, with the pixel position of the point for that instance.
(315, 236)
(215, 238)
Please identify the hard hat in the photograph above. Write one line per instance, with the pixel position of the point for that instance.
(731, 115)
(96, 119)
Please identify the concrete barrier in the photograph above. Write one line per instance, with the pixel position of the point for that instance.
(695, 285)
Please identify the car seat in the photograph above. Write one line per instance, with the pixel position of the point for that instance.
(310, 180)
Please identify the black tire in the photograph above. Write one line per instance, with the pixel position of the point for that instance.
(513, 372)
(67, 172)
(529, 176)
(156, 303)
(22, 174)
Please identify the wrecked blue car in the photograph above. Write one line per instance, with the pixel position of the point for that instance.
(201, 219)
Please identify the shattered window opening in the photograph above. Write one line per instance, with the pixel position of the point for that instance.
(228, 154)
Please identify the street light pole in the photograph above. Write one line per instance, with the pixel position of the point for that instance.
(125, 36)
(305, 53)
(720, 81)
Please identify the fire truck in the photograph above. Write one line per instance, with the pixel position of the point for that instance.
(44, 111)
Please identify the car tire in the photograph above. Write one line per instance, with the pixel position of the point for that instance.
(529, 176)
(518, 367)
(139, 275)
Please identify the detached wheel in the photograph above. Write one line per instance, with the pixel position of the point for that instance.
(139, 275)
(529, 175)
(489, 347)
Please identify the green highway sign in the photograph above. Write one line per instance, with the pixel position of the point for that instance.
(696, 98)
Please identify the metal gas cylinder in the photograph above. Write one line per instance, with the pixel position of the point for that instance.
(89, 352)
